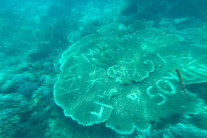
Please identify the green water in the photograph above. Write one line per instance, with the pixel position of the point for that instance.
(103, 69)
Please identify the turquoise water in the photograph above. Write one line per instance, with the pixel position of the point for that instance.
(103, 69)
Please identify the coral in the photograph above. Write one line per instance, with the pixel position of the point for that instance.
(126, 71)
(15, 79)
(126, 80)
(12, 105)
(27, 88)
(180, 130)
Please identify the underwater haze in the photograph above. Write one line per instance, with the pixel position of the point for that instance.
(103, 69)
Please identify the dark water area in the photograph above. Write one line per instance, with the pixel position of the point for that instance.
(103, 69)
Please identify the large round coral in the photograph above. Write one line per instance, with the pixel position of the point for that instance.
(125, 80)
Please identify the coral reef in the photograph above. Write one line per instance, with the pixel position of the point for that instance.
(12, 106)
(116, 73)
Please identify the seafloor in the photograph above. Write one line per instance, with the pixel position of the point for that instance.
(103, 69)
